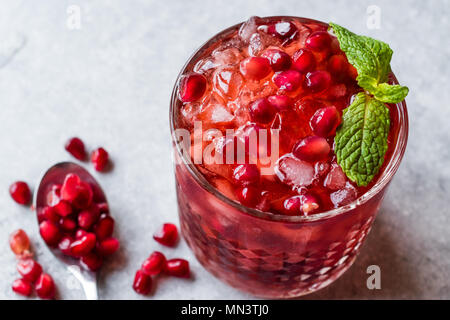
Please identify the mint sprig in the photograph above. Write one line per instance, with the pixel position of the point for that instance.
(361, 140)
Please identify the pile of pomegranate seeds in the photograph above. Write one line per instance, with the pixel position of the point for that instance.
(99, 157)
(157, 264)
(32, 275)
(77, 223)
(283, 74)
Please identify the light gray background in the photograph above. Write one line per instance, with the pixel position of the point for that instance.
(110, 84)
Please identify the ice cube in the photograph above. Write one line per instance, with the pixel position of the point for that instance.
(293, 172)
(344, 196)
(228, 56)
(228, 82)
(336, 178)
(256, 45)
(205, 65)
(216, 114)
(248, 28)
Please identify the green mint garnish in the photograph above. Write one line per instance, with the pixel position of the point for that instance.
(371, 58)
(361, 141)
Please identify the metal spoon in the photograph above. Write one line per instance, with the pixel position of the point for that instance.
(56, 174)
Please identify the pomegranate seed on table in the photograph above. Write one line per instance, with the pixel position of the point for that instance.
(142, 283)
(255, 68)
(100, 159)
(262, 111)
(29, 269)
(192, 87)
(318, 41)
(311, 149)
(91, 261)
(304, 61)
(20, 192)
(248, 196)
(167, 235)
(317, 81)
(246, 174)
(45, 287)
(281, 102)
(20, 244)
(84, 245)
(75, 147)
(178, 268)
(325, 121)
(279, 60)
(107, 246)
(104, 227)
(22, 287)
(154, 264)
(49, 232)
(288, 80)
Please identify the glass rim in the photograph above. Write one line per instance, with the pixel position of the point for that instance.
(383, 180)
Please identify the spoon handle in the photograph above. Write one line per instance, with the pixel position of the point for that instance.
(88, 281)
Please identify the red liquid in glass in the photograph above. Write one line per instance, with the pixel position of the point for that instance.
(308, 79)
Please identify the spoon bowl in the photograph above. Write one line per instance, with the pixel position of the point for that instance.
(56, 175)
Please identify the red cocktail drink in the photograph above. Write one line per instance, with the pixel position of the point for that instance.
(263, 203)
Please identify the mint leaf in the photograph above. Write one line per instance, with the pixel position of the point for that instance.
(390, 93)
(370, 57)
(361, 140)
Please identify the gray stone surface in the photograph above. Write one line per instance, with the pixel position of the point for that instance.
(110, 83)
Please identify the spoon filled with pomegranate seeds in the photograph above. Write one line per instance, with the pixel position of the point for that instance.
(74, 222)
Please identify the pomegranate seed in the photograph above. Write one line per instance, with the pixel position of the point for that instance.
(246, 174)
(248, 196)
(255, 68)
(337, 91)
(63, 208)
(325, 121)
(54, 195)
(352, 72)
(280, 102)
(64, 245)
(292, 206)
(91, 262)
(22, 287)
(100, 159)
(29, 269)
(142, 283)
(283, 30)
(67, 224)
(20, 192)
(103, 207)
(337, 65)
(167, 235)
(77, 192)
(20, 244)
(50, 232)
(309, 204)
(104, 227)
(155, 264)
(80, 233)
(304, 61)
(178, 268)
(317, 81)
(108, 246)
(84, 245)
(312, 148)
(262, 111)
(87, 218)
(288, 80)
(45, 287)
(49, 213)
(279, 60)
(318, 41)
(192, 87)
(76, 148)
